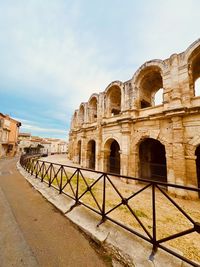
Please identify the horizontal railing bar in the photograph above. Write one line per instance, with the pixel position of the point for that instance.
(129, 229)
(178, 255)
(128, 177)
(186, 232)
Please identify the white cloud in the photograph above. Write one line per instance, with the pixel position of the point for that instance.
(61, 52)
(33, 127)
(54, 65)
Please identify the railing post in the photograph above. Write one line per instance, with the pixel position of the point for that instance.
(104, 198)
(42, 174)
(50, 174)
(37, 169)
(32, 166)
(77, 186)
(103, 202)
(154, 218)
(61, 180)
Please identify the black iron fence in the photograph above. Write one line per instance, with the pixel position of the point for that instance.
(94, 189)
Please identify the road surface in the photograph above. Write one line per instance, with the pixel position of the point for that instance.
(33, 232)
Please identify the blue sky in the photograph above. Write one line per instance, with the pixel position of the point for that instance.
(55, 53)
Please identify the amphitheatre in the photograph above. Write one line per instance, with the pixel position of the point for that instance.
(123, 130)
(134, 160)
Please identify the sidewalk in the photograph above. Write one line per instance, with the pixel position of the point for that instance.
(32, 231)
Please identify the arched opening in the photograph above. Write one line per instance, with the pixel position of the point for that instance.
(112, 156)
(92, 112)
(197, 87)
(114, 101)
(81, 115)
(79, 152)
(197, 153)
(158, 97)
(194, 71)
(91, 154)
(151, 88)
(152, 160)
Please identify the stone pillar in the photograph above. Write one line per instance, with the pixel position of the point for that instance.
(125, 149)
(185, 86)
(83, 151)
(123, 99)
(123, 163)
(133, 164)
(178, 151)
(174, 82)
(190, 162)
(101, 160)
(99, 150)
(106, 162)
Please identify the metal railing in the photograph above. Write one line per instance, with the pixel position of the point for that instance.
(79, 186)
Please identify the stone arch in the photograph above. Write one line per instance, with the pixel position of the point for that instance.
(192, 144)
(92, 108)
(192, 56)
(91, 154)
(190, 50)
(153, 134)
(111, 136)
(148, 82)
(112, 156)
(113, 98)
(152, 160)
(81, 114)
(79, 150)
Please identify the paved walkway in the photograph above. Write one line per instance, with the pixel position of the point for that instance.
(33, 232)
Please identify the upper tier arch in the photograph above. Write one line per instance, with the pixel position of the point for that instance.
(156, 63)
(192, 50)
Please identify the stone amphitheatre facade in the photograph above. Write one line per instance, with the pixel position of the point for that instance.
(123, 131)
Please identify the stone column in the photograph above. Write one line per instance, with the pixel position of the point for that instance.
(101, 160)
(83, 151)
(123, 99)
(174, 82)
(106, 162)
(178, 151)
(99, 152)
(190, 162)
(125, 149)
(184, 83)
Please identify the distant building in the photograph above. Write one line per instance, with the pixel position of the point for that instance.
(9, 129)
(35, 144)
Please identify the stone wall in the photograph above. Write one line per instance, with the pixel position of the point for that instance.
(126, 112)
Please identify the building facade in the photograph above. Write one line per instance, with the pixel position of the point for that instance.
(123, 130)
(9, 129)
(35, 144)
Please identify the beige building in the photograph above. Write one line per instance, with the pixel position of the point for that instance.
(9, 129)
(123, 129)
(36, 144)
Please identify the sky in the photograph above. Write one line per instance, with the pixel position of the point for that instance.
(55, 53)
